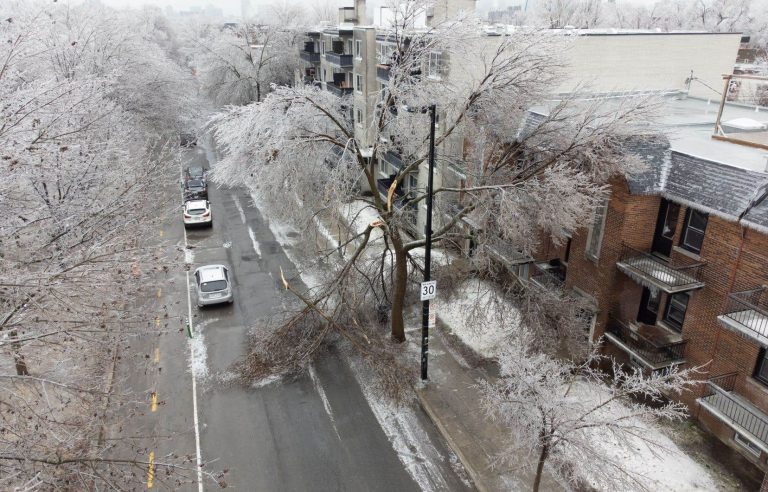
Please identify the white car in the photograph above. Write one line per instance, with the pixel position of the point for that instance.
(198, 212)
(213, 285)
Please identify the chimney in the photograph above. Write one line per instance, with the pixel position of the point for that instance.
(360, 13)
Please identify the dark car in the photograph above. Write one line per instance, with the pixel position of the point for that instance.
(188, 139)
(195, 189)
(195, 172)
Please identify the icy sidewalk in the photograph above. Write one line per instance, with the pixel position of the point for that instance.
(451, 399)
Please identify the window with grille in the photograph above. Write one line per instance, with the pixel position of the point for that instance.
(435, 65)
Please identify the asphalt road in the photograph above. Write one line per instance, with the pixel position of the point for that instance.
(316, 432)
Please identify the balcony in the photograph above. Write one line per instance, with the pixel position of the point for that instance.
(549, 274)
(382, 72)
(746, 313)
(338, 59)
(505, 253)
(654, 346)
(394, 158)
(720, 400)
(309, 56)
(338, 90)
(653, 272)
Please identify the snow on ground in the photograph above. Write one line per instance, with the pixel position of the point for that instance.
(254, 242)
(239, 209)
(325, 232)
(360, 215)
(198, 358)
(410, 441)
(478, 316)
(189, 256)
(664, 467)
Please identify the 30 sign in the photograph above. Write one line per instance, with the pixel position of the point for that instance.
(428, 290)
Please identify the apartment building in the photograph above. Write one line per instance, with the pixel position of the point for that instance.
(676, 264)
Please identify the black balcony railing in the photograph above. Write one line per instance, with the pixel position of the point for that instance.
(382, 72)
(748, 312)
(338, 59)
(394, 158)
(309, 56)
(649, 269)
(339, 91)
(655, 353)
(718, 397)
(549, 274)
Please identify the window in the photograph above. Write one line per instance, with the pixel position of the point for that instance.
(359, 83)
(675, 314)
(595, 237)
(359, 117)
(323, 76)
(384, 53)
(349, 47)
(322, 46)
(567, 255)
(359, 48)
(413, 181)
(746, 443)
(761, 370)
(693, 230)
(435, 65)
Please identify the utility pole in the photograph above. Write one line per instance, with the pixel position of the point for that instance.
(428, 246)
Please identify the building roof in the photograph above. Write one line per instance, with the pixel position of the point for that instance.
(686, 165)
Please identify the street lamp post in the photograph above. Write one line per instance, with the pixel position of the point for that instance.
(428, 246)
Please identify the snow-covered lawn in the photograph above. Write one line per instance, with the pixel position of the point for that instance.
(478, 316)
(662, 466)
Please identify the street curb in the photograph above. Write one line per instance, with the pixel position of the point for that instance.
(474, 474)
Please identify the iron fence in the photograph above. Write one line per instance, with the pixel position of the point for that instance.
(650, 350)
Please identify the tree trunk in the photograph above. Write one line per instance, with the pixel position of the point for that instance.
(18, 358)
(398, 289)
(540, 467)
(258, 92)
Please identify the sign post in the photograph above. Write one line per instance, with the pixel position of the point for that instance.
(428, 287)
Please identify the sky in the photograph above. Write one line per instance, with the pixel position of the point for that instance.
(231, 8)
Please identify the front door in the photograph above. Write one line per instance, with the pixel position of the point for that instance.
(666, 223)
(649, 306)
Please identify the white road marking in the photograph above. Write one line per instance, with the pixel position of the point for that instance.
(239, 208)
(324, 398)
(198, 457)
(255, 243)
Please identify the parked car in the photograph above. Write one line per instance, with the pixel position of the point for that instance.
(195, 172)
(188, 139)
(197, 212)
(195, 189)
(213, 285)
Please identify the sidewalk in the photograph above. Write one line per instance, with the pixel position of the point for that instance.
(453, 403)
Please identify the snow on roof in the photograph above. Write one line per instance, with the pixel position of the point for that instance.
(210, 273)
(746, 124)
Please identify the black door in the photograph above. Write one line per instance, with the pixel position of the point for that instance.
(666, 223)
(649, 306)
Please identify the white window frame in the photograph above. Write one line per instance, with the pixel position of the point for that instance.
(359, 116)
(359, 49)
(435, 66)
(359, 83)
(322, 47)
(601, 213)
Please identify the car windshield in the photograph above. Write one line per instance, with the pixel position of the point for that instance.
(195, 171)
(196, 211)
(195, 183)
(213, 286)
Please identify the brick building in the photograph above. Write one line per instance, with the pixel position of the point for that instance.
(676, 265)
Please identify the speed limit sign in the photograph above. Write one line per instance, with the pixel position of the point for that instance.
(428, 290)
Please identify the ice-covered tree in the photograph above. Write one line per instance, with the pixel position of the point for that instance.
(237, 65)
(576, 418)
(302, 152)
(85, 159)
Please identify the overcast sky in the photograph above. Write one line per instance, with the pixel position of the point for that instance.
(231, 8)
